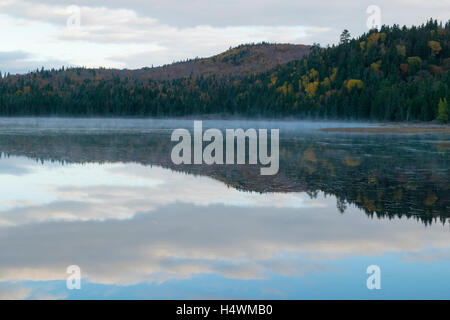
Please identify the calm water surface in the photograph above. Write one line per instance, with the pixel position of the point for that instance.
(104, 195)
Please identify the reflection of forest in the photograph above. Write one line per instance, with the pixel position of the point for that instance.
(386, 177)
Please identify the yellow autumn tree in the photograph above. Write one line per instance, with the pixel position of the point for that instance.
(303, 82)
(311, 89)
(313, 74)
(435, 47)
(283, 89)
(273, 80)
(404, 68)
(376, 66)
(373, 38)
(401, 50)
(326, 83)
(436, 70)
(353, 83)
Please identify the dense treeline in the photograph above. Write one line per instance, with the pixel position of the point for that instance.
(394, 73)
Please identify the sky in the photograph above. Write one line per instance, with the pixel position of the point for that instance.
(140, 33)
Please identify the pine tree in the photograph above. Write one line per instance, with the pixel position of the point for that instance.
(345, 36)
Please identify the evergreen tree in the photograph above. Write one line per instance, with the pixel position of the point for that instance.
(345, 37)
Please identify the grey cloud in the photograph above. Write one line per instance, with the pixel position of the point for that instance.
(336, 15)
(268, 12)
(14, 61)
(181, 240)
(8, 56)
(22, 62)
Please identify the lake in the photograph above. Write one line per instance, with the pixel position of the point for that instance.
(104, 195)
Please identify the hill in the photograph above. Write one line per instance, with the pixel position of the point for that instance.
(243, 60)
(392, 74)
(239, 61)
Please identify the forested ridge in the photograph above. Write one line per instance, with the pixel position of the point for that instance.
(392, 74)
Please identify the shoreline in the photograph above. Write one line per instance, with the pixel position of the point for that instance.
(403, 129)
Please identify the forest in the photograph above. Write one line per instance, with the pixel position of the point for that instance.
(392, 74)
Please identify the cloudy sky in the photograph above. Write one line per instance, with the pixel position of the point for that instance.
(137, 33)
